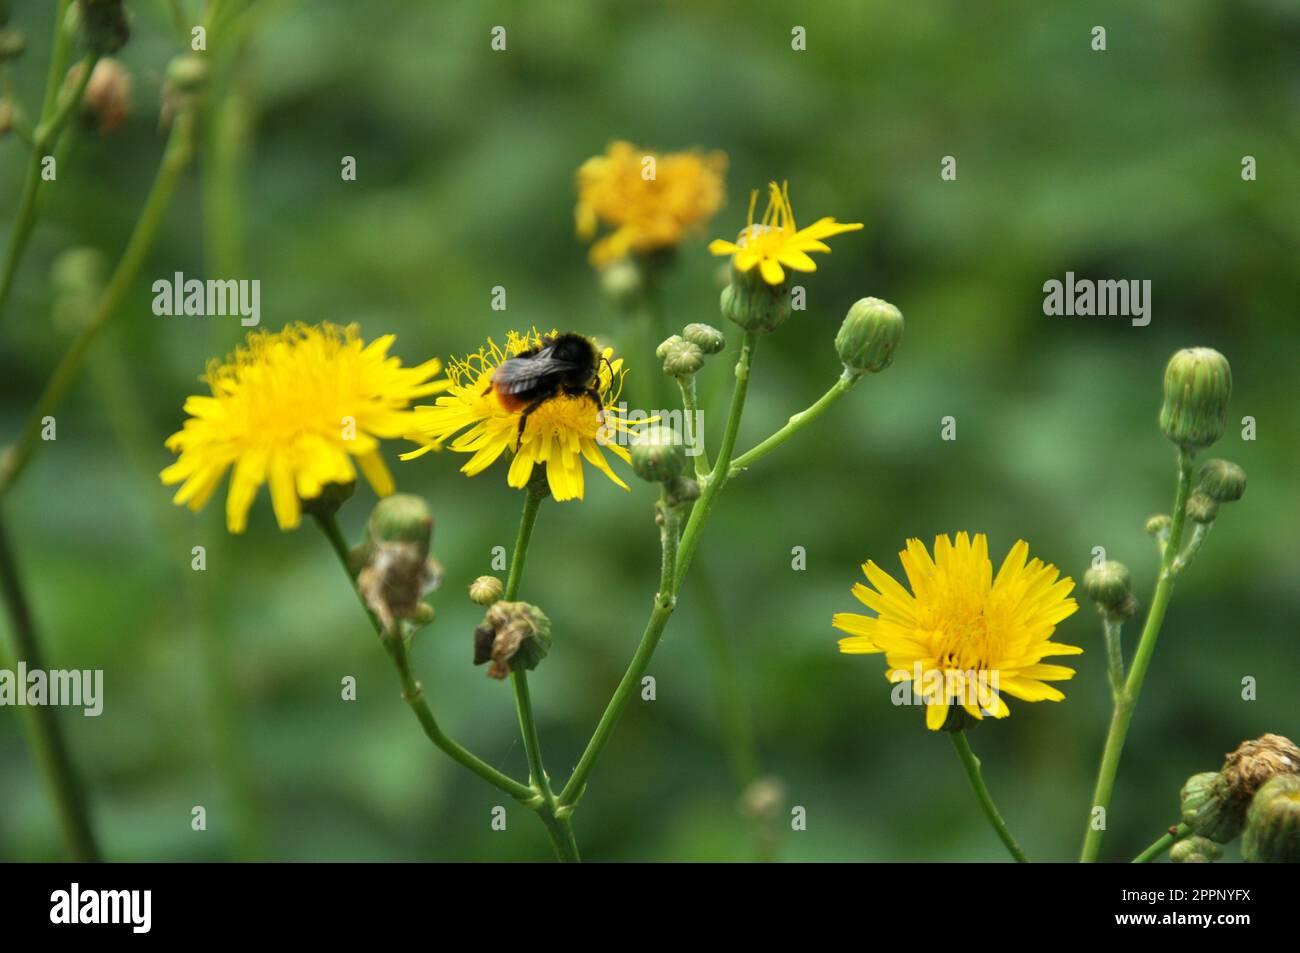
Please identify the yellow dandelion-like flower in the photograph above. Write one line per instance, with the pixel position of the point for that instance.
(776, 243)
(646, 212)
(559, 433)
(963, 636)
(292, 408)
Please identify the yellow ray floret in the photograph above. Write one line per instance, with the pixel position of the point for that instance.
(559, 433)
(293, 408)
(776, 242)
(963, 636)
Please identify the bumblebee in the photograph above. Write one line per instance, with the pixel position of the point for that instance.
(563, 365)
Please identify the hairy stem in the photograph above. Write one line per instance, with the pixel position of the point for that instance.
(1128, 697)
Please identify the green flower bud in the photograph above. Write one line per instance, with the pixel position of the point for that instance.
(1108, 585)
(1125, 610)
(682, 359)
(1195, 850)
(667, 345)
(869, 335)
(622, 282)
(657, 454)
(1222, 481)
(513, 635)
(1158, 525)
(12, 44)
(752, 303)
(1198, 383)
(706, 337)
(1200, 508)
(103, 23)
(401, 518)
(1209, 808)
(486, 590)
(1273, 823)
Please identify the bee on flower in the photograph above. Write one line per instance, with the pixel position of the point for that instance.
(296, 409)
(526, 398)
(963, 636)
(649, 201)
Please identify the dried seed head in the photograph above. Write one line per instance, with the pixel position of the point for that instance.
(512, 635)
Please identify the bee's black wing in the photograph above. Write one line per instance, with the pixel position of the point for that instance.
(521, 373)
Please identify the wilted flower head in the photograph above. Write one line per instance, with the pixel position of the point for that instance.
(776, 242)
(968, 635)
(649, 205)
(294, 408)
(559, 433)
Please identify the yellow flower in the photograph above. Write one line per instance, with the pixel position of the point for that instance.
(645, 213)
(292, 408)
(961, 635)
(776, 241)
(559, 433)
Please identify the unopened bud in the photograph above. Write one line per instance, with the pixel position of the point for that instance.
(486, 590)
(682, 359)
(1273, 823)
(1195, 850)
(752, 303)
(706, 337)
(1158, 525)
(657, 454)
(401, 518)
(1198, 383)
(1108, 585)
(869, 336)
(681, 489)
(622, 281)
(1209, 809)
(513, 635)
(1222, 481)
(1200, 508)
(667, 345)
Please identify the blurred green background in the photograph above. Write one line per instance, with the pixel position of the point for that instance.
(223, 687)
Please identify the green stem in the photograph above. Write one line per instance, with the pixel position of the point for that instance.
(412, 692)
(1127, 701)
(175, 158)
(52, 753)
(676, 557)
(560, 829)
(1114, 656)
(796, 423)
(972, 766)
(665, 602)
(694, 437)
(53, 118)
(1163, 844)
